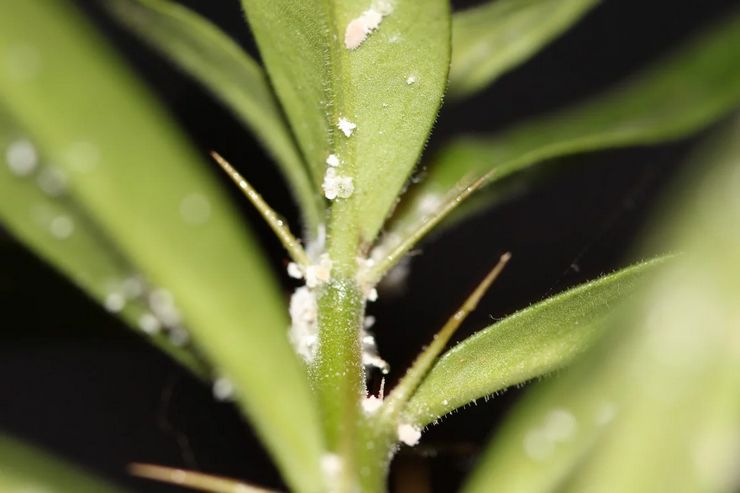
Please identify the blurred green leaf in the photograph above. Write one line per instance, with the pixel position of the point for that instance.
(528, 344)
(24, 469)
(495, 37)
(139, 181)
(680, 95)
(36, 208)
(655, 406)
(390, 87)
(210, 56)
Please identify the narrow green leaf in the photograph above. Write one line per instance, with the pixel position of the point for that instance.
(495, 37)
(37, 209)
(390, 87)
(680, 95)
(655, 406)
(137, 179)
(528, 344)
(210, 56)
(27, 469)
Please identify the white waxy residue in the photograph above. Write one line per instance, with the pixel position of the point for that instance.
(62, 227)
(411, 79)
(331, 465)
(195, 209)
(346, 126)
(304, 329)
(115, 302)
(21, 157)
(336, 185)
(372, 295)
(560, 425)
(223, 389)
(320, 272)
(333, 161)
(361, 27)
(295, 271)
(162, 304)
(408, 434)
(371, 404)
(370, 355)
(149, 324)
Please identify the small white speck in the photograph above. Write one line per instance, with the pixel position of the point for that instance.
(62, 227)
(346, 126)
(178, 336)
(337, 186)
(115, 302)
(295, 271)
(223, 389)
(411, 79)
(163, 306)
(333, 161)
(195, 209)
(408, 434)
(560, 425)
(21, 157)
(445, 402)
(52, 181)
(331, 465)
(372, 404)
(372, 295)
(369, 322)
(149, 324)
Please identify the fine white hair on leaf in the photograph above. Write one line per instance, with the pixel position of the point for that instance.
(408, 434)
(346, 126)
(336, 185)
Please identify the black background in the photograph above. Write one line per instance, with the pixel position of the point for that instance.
(75, 380)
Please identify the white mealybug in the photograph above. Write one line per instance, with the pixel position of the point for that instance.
(408, 434)
(337, 186)
(346, 126)
(361, 27)
(319, 273)
(333, 161)
(294, 271)
(411, 79)
(371, 405)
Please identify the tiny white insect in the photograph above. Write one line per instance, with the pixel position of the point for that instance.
(408, 434)
(294, 271)
(149, 324)
(346, 126)
(411, 79)
(372, 295)
(337, 186)
(223, 389)
(370, 405)
(319, 273)
(333, 161)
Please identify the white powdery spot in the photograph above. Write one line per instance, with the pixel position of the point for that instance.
(195, 209)
(331, 465)
(372, 295)
(223, 389)
(372, 404)
(162, 304)
(21, 157)
(304, 329)
(411, 79)
(115, 302)
(370, 355)
(560, 425)
(62, 227)
(337, 186)
(149, 324)
(346, 126)
(295, 271)
(408, 434)
(319, 273)
(333, 161)
(369, 21)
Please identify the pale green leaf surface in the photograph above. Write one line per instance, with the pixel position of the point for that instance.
(37, 210)
(655, 406)
(164, 210)
(528, 344)
(495, 37)
(26, 469)
(319, 81)
(209, 55)
(692, 88)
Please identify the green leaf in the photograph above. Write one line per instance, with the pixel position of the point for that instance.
(35, 207)
(27, 469)
(528, 344)
(655, 406)
(495, 37)
(210, 56)
(692, 88)
(390, 87)
(139, 180)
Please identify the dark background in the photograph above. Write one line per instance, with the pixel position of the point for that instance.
(75, 380)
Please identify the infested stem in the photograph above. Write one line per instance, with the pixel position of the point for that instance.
(276, 223)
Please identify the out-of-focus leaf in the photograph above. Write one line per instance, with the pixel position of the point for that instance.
(390, 87)
(24, 469)
(495, 37)
(140, 182)
(36, 208)
(655, 406)
(695, 86)
(213, 58)
(530, 343)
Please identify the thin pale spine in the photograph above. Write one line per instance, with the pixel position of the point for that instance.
(375, 273)
(193, 480)
(276, 223)
(423, 363)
